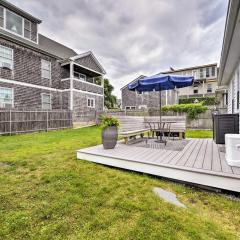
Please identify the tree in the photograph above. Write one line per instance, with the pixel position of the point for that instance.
(110, 100)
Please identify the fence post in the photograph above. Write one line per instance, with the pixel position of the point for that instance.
(10, 121)
(47, 121)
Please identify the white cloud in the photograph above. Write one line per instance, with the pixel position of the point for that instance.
(138, 36)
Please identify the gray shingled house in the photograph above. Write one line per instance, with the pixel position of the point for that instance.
(39, 73)
(146, 100)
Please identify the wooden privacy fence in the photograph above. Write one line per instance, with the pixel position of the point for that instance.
(23, 121)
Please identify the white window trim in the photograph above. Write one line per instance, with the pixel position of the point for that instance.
(12, 55)
(94, 104)
(12, 94)
(5, 29)
(50, 69)
(48, 94)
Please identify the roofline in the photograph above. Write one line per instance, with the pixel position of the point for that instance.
(189, 68)
(19, 11)
(228, 32)
(35, 48)
(87, 54)
(57, 42)
(139, 77)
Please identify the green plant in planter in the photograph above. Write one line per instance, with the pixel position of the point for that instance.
(109, 121)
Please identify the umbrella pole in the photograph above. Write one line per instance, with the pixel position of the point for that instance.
(160, 107)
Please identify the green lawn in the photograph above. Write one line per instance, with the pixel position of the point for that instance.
(199, 134)
(46, 193)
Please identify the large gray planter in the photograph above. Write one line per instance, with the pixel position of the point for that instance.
(109, 137)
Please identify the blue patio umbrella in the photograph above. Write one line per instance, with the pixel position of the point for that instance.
(161, 82)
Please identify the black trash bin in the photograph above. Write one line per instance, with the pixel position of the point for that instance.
(223, 124)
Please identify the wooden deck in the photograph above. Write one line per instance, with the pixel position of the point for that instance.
(200, 162)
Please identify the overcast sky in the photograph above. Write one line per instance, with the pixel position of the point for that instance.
(133, 37)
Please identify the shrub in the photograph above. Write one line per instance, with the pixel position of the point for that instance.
(108, 121)
(208, 101)
(192, 110)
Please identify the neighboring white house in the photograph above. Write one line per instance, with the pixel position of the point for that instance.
(229, 70)
(205, 80)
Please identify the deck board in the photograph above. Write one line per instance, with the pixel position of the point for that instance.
(201, 162)
(207, 162)
(216, 162)
(201, 155)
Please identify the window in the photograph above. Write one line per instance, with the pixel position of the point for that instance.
(46, 101)
(209, 88)
(91, 102)
(195, 88)
(79, 76)
(6, 57)
(46, 69)
(1, 17)
(213, 71)
(130, 107)
(6, 97)
(27, 29)
(201, 73)
(207, 72)
(14, 23)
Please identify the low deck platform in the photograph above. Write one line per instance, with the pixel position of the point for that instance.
(200, 162)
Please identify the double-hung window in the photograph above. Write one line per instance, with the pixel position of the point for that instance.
(6, 97)
(209, 88)
(201, 73)
(46, 69)
(27, 29)
(46, 101)
(213, 71)
(6, 57)
(207, 72)
(91, 102)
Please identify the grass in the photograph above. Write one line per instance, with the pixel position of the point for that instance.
(191, 133)
(45, 193)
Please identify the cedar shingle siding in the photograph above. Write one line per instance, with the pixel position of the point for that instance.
(27, 83)
(149, 100)
(88, 62)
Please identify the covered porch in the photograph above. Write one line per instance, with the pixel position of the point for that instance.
(71, 69)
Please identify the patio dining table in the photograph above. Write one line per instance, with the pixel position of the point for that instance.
(159, 128)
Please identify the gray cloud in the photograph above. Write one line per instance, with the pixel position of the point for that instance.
(138, 36)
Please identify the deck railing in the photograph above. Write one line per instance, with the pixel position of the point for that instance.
(24, 121)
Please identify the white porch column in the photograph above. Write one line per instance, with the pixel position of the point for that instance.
(71, 85)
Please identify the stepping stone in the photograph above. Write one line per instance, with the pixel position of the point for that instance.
(168, 196)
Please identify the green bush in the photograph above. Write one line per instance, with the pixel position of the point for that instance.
(208, 101)
(192, 110)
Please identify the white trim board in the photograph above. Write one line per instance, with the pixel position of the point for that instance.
(45, 88)
(200, 178)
